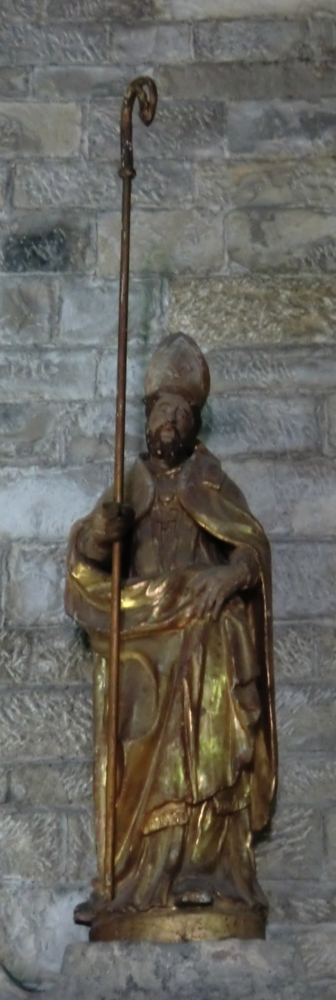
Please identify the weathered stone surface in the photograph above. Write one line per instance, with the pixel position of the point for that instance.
(295, 651)
(89, 432)
(25, 44)
(242, 81)
(303, 574)
(306, 718)
(51, 784)
(165, 242)
(280, 128)
(61, 240)
(331, 417)
(81, 862)
(89, 312)
(4, 178)
(28, 129)
(45, 504)
(31, 845)
(243, 424)
(300, 901)
(267, 184)
(164, 43)
(51, 722)
(36, 925)
(45, 655)
(127, 10)
(18, 9)
(232, 970)
(330, 825)
(184, 129)
(136, 369)
(181, 10)
(258, 310)
(309, 778)
(78, 82)
(29, 433)
(317, 948)
(27, 307)
(9, 991)
(287, 240)
(289, 497)
(272, 369)
(13, 82)
(326, 653)
(48, 374)
(253, 41)
(293, 846)
(35, 589)
(96, 185)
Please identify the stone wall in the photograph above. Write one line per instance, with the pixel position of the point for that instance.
(234, 241)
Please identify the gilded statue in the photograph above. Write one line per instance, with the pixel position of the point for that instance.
(196, 752)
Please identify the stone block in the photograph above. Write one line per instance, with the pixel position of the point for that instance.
(36, 926)
(281, 129)
(31, 845)
(89, 312)
(254, 310)
(239, 425)
(60, 654)
(32, 44)
(300, 901)
(189, 128)
(287, 240)
(30, 433)
(13, 82)
(15, 10)
(309, 778)
(243, 81)
(317, 949)
(183, 10)
(252, 40)
(289, 497)
(43, 504)
(35, 588)
(39, 722)
(89, 432)
(47, 374)
(295, 651)
(27, 309)
(272, 369)
(306, 718)
(330, 828)
(331, 419)
(136, 370)
(66, 783)
(164, 242)
(62, 240)
(37, 129)
(233, 970)
(326, 653)
(3, 786)
(15, 656)
(165, 43)
(4, 183)
(78, 82)
(264, 183)
(81, 855)
(120, 10)
(293, 846)
(323, 37)
(53, 185)
(303, 575)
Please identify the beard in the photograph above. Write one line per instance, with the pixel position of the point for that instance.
(172, 451)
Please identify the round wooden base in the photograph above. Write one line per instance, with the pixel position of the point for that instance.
(180, 924)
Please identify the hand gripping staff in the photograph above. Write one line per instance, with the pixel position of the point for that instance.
(145, 90)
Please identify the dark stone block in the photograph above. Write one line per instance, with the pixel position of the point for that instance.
(37, 252)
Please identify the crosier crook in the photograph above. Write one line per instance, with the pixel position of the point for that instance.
(145, 90)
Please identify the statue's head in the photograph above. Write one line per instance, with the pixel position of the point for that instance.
(176, 386)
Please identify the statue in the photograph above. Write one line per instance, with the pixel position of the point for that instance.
(196, 750)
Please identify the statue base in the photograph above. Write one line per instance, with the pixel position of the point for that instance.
(201, 923)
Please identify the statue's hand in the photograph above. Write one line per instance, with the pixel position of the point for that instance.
(212, 587)
(111, 522)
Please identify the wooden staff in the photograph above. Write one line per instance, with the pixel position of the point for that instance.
(145, 90)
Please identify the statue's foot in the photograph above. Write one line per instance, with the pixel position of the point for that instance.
(85, 913)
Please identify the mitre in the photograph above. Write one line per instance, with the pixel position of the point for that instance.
(179, 366)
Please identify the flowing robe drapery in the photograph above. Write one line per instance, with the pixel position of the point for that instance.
(196, 720)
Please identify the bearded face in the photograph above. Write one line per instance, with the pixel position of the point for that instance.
(171, 429)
